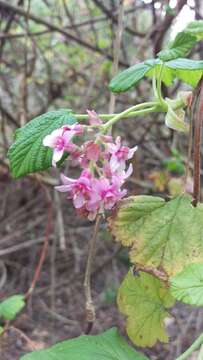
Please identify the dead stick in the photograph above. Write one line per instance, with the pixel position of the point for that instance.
(197, 146)
(44, 248)
(90, 311)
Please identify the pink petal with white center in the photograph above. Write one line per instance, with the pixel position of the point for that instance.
(57, 155)
(78, 129)
(128, 172)
(68, 135)
(118, 142)
(66, 180)
(49, 140)
(57, 132)
(114, 163)
(93, 118)
(78, 200)
(131, 152)
(63, 188)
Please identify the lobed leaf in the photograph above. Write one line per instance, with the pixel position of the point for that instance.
(144, 300)
(180, 47)
(187, 286)
(106, 346)
(163, 236)
(10, 307)
(28, 154)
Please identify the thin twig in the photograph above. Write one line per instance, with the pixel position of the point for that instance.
(187, 166)
(31, 344)
(53, 27)
(45, 246)
(90, 311)
(116, 49)
(197, 146)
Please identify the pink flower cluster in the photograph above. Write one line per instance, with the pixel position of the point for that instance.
(103, 163)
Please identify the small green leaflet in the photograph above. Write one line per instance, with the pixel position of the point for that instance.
(106, 346)
(180, 47)
(28, 154)
(195, 28)
(128, 78)
(183, 42)
(189, 71)
(144, 300)
(175, 119)
(162, 235)
(10, 307)
(187, 286)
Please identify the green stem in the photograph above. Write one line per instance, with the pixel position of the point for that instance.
(159, 94)
(195, 346)
(139, 109)
(200, 355)
(154, 84)
(127, 113)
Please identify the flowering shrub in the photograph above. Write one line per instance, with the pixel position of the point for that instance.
(165, 238)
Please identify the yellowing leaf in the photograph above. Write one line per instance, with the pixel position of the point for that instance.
(187, 286)
(144, 300)
(163, 236)
(160, 179)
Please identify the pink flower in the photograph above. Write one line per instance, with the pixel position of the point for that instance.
(119, 155)
(78, 189)
(99, 186)
(91, 150)
(94, 118)
(75, 156)
(105, 194)
(76, 128)
(60, 140)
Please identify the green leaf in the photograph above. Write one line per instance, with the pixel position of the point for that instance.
(174, 165)
(180, 47)
(128, 78)
(28, 154)
(144, 300)
(163, 236)
(1, 330)
(106, 346)
(187, 286)
(183, 42)
(189, 71)
(195, 28)
(10, 307)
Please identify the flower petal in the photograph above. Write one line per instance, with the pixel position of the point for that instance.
(57, 155)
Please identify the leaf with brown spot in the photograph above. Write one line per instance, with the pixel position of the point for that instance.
(144, 300)
(162, 235)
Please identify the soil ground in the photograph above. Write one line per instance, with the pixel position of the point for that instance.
(56, 309)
